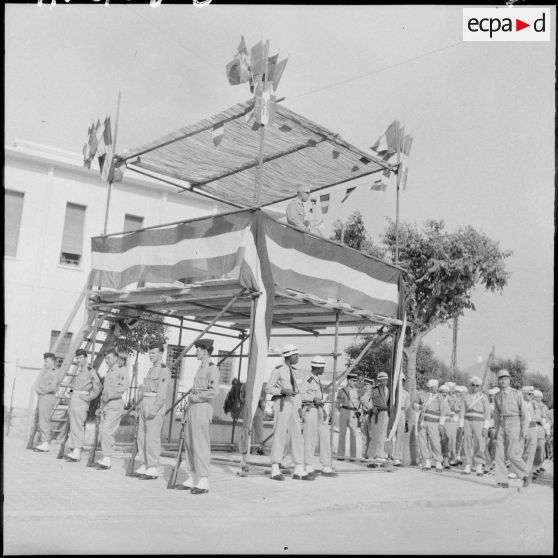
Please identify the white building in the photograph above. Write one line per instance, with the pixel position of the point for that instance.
(53, 206)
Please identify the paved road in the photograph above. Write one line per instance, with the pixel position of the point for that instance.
(54, 507)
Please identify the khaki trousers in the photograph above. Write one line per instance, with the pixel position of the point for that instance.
(316, 430)
(286, 428)
(378, 435)
(530, 447)
(398, 445)
(429, 441)
(347, 419)
(509, 443)
(78, 416)
(110, 421)
(149, 434)
(473, 444)
(45, 404)
(541, 447)
(450, 441)
(196, 438)
(365, 433)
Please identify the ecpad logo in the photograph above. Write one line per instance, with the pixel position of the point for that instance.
(506, 24)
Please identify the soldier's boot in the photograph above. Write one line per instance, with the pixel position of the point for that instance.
(45, 446)
(478, 470)
(467, 470)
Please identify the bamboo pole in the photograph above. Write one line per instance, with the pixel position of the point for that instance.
(258, 192)
(175, 384)
(398, 141)
(335, 348)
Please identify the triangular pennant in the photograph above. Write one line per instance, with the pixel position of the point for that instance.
(348, 193)
(278, 72)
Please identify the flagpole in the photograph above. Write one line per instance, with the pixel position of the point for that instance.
(397, 143)
(113, 151)
(258, 192)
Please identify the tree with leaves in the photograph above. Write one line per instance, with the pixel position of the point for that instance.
(543, 383)
(442, 269)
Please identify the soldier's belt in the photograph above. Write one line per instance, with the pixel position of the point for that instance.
(150, 394)
(474, 418)
(431, 418)
(510, 417)
(532, 424)
(348, 408)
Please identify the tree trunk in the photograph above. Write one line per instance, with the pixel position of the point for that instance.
(411, 354)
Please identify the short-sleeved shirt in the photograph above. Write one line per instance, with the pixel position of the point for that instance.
(48, 381)
(115, 384)
(310, 388)
(87, 380)
(157, 381)
(206, 382)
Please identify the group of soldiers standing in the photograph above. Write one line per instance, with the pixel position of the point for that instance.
(453, 424)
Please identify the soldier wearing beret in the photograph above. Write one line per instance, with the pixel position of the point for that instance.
(85, 388)
(510, 423)
(283, 388)
(348, 404)
(402, 425)
(315, 427)
(153, 394)
(112, 406)
(199, 414)
(46, 386)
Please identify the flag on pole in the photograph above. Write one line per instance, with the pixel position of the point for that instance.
(257, 59)
(107, 132)
(278, 70)
(238, 69)
(270, 67)
(386, 145)
(404, 179)
(324, 203)
(406, 144)
(348, 193)
(217, 133)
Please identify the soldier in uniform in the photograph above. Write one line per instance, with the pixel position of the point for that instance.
(85, 388)
(490, 447)
(365, 417)
(510, 422)
(153, 394)
(474, 417)
(454, 403)
(379, 419)
(112, 406)
(199, 414)
(402, 425)
(444, 438)
(542, 419)
(298, 213)
(348, 405)
(46, 386)
(283, 388)
(531, 431)
(433, 411)
(315, 419)
(460, 392)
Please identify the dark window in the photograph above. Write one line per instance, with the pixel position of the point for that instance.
(172, 352)
(225, 368)
(12, 221)
(72, 239)
(132, 222)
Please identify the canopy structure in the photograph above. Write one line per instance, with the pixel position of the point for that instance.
(247, 268)
(219, 156)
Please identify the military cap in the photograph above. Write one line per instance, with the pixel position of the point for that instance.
(318, 362)
(382, 376)
(538, 393)
(352, 376)
(461, 389)
(81, 352)
(206, 344)
(475, 380)
(289, 350)
(157, 345)
(528, 389)
(303, 188)
(444, 388)
(502, 373)
(49, 355)
(432, 382)
(451, 385)
(368, 381)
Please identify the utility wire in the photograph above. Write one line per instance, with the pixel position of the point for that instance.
(193, 52)
(311, 92)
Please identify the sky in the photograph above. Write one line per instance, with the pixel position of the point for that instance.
(481, 114)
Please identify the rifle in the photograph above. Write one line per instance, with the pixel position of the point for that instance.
(91, 460)
(64, 439)
(31, 441)
(130, 468)
(174, 470)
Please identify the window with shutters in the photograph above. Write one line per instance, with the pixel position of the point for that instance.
(63, 347)
(172, 353)
(72, 239)
(132, 222)
(12, 221)
(225, 368)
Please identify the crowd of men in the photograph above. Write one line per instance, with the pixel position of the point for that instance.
(453, 424)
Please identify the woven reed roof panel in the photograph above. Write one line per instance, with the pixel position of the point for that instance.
(295, 150)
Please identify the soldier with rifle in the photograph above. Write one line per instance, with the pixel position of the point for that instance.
(151, 413)
(46, 387)
(198, 416)
(315, 427)
(112, 406)
(85, 388)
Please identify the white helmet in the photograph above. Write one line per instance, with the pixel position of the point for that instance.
(289, 350)
(318, 362)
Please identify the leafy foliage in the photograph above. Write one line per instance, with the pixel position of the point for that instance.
(353, 233)
(376, 360)
(137, 336)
